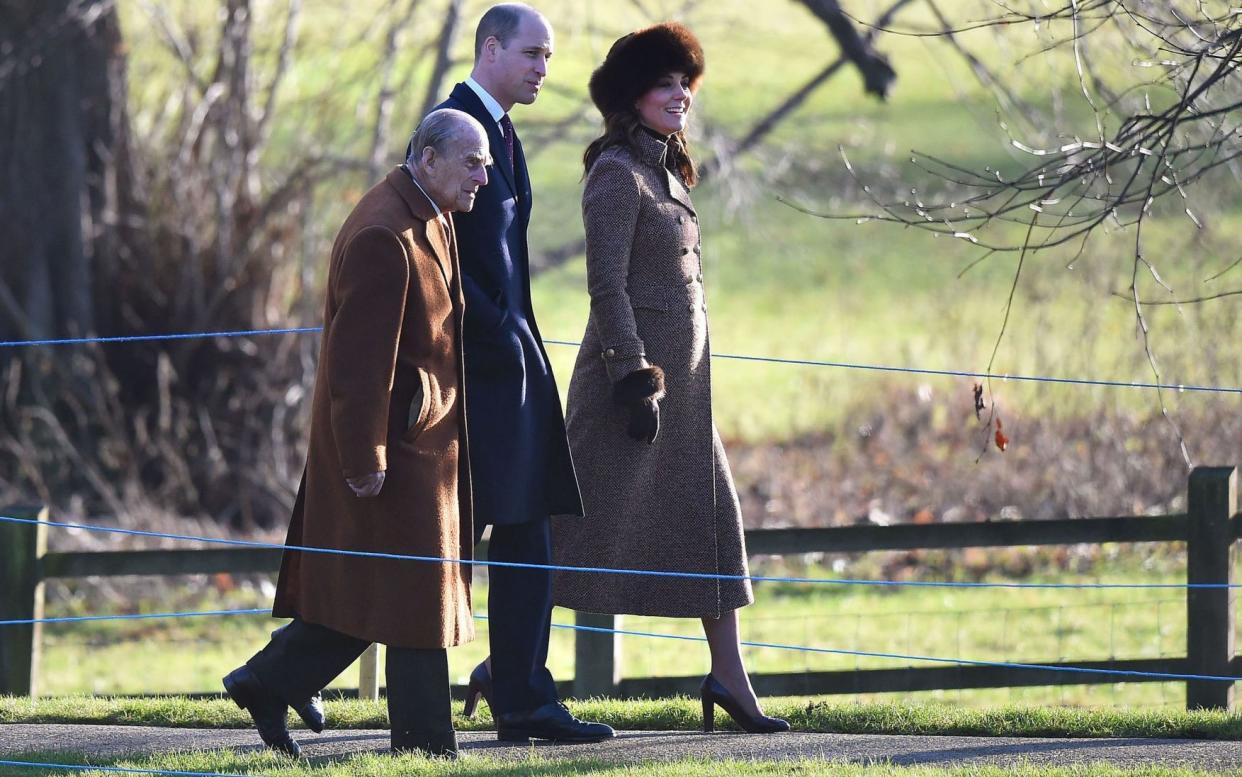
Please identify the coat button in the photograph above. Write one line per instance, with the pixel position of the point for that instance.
(690, 307)
(610, 352)
(695, 219)
(684, 250)
(699, 277)
(698, 250)
(681, 219)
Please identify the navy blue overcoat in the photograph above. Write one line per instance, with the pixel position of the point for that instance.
(519, 455)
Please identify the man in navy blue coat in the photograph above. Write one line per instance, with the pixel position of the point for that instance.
(519, 455)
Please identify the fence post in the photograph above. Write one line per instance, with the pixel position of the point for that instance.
(368, 673)
(1213, 499)
(22, 546)
(597, 656)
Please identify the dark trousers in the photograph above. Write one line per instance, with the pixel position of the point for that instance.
(304, 657)
(519, 616)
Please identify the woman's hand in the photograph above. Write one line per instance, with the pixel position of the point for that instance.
(645, 420)
(640, 392)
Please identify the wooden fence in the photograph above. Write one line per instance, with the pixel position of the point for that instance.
(1209, 528)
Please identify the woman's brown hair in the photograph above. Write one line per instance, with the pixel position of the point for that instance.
(624, 129)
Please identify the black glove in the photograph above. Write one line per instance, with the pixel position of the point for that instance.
(640, 392)
(645, 420)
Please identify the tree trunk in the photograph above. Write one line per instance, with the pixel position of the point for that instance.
(62, 159)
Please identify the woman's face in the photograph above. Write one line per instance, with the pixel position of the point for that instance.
(666, 105)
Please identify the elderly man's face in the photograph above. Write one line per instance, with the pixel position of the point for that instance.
(455, 175)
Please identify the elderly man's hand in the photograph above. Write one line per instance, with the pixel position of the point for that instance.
(365, 486)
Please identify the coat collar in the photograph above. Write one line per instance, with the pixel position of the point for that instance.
(421, 209)
(495, 141)
(653, 151)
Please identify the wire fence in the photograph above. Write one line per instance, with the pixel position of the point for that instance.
(1177, 676)
(255, 544)
(907, 656)
(1134, 384)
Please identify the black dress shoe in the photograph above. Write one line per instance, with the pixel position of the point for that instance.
(267, 711)
(441, 744)
(480, 685)
(713, 693)
(551, 721)
(311, 713)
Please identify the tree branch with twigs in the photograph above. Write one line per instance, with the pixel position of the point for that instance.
(1154, 141)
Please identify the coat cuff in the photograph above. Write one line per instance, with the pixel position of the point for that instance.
(368, 462)
(620, 360)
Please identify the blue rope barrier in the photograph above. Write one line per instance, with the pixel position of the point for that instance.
(133, 616)
(621, 571)
(961, 373)
(685, 638)
(156, 338)
(901, 657)
(739, 357)
(114, 769)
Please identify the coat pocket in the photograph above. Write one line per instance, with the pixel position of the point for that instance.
(420, 408)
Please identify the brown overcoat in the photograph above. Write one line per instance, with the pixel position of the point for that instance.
(671, 505)
(388, 396)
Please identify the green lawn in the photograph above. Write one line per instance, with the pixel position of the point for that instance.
(480, 766)
(1028, 625)
(678, 714)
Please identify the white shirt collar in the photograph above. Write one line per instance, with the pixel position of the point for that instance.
(489, 102)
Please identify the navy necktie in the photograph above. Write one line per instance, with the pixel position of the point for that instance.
(506, 126)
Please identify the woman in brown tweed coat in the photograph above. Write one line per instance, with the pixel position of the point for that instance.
(655, 484)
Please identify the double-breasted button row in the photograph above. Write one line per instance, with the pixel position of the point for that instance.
(610, 352)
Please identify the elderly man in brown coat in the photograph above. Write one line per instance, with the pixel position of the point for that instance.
(387, 469)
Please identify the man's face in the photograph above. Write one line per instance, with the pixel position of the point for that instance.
(455, 176)
(517, 70)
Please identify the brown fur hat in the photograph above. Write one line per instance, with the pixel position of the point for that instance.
(637, 61)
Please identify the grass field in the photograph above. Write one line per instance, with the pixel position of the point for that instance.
(385, 766)
(1029, 625)
(677, 714)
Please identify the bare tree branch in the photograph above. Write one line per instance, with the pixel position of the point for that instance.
(764, 126)
(283, 59)
(449, 31)
(383, 104)
(878, 75)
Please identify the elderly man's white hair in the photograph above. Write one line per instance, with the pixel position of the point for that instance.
(438, 129)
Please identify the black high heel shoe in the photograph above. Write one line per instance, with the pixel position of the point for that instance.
(480, 685)
(713, 693)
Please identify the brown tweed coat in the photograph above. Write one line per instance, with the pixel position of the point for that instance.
(388, 396)
(670, 505)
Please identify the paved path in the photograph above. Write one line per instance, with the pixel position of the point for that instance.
(635, 746)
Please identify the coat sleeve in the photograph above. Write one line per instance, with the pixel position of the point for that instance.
(370, 290)
(610, 206)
